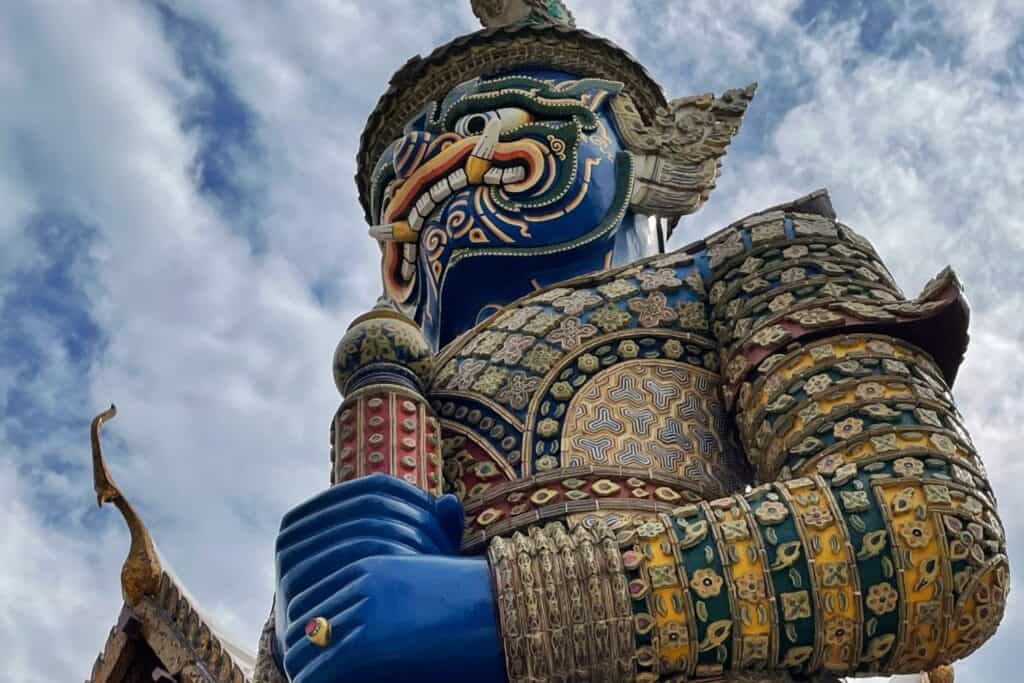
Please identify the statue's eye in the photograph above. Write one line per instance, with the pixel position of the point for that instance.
(473, 124)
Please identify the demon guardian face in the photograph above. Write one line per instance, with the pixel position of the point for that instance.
(507, 185)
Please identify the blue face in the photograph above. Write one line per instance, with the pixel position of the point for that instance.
(505, 186)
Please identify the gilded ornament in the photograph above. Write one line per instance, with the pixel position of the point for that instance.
(908, 467)
(692, 315)
(796, 656)
(791, 275)
(838, 630)
(750, 586)
(652, 310)
(674, 633)
(848, 428)
(915, 534)
(817, 518)
(770, 336)
(617, 289)
(830, 463)
(880, 411)
(628, 349)
(664, 278)
(577, 302)
(610, 318)
(571, 333)
(943, 443)
(834, 574)
(817, 384)
(512, 349)
(882, 598)
(734, 530)
(781, 303)
(517, 390)
(540, 358)
(855, 501)
(541, 323)
(588, 363)
(672, 349)
(706, 582)
(563, 391)
(884, 443)
(490, 381)
(796, 605)
(650, 529)
(771, 512)
(548, 427)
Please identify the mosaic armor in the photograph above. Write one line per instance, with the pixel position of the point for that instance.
(564, 455)
(736, 461)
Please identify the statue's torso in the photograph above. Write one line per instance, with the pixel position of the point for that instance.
(601, 395)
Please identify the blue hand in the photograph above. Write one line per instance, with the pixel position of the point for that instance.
(321, 539)
(426, 618)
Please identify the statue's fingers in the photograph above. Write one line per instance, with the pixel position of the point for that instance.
(289, 556)
(304, 605)
(362, 506)
(374, 483)
(452, 518)
(312, 569)
(349, 591)
(309, 662)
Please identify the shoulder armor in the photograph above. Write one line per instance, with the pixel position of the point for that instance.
(793, 271)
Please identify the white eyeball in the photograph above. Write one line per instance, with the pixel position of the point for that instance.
(473, 124)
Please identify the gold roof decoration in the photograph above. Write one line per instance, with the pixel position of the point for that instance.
(158, 610)
(140, 575)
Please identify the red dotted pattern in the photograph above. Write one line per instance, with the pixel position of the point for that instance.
(390, 433)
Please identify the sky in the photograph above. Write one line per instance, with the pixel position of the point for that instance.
(180, 235)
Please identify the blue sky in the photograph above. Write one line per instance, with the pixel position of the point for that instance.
(179, 234)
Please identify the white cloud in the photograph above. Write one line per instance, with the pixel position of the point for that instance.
(218, 352)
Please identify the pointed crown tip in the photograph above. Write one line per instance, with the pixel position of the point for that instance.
(499, 13)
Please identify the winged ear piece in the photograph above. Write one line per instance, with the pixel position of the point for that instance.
(678, 156)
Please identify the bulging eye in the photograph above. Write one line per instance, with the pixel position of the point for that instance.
(510, 117)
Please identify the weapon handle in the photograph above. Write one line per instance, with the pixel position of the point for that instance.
(387, 429)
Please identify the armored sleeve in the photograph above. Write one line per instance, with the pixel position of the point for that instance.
(870, 543)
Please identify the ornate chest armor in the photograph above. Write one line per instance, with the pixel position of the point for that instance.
(603, 393)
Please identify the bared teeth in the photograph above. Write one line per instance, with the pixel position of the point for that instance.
(513, 175)
(493, 176)
(408, 261)
(440, 191)
(458, 180)
(425, 205)
(415, 219)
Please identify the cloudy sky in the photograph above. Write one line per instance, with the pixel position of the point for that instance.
(179, 234)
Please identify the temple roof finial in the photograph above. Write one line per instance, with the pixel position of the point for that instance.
(498, 13)
(140, 574)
